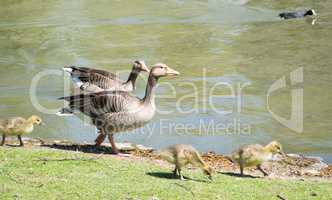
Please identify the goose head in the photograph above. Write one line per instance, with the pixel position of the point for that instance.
(310, 12)
(275, 148)
(139, 65)
(161, 70)
(158, 70)
(34, 119)
(209, 171)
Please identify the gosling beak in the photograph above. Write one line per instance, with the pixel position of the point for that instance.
(172, 72)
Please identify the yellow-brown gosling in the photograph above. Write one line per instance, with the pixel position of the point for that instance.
(181, 155)
(17, 126)
(255, 155)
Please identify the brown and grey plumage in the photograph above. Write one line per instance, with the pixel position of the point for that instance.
(181, 155)
(96, 80)
(255, 155)
(17, 126)
(116, 111)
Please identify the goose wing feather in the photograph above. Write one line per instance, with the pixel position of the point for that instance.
(252, 150)
(246, 151)
(95, 104)
(11, 123)
(121, 121)
(100, 78)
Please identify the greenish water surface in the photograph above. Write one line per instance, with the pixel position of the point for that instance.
(226, 45)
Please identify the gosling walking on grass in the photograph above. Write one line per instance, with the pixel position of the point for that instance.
(255, 155)
(18, 126)
(181, 155)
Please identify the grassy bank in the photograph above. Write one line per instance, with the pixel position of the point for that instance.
(53, 174)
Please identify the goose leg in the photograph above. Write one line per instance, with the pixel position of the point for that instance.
(180, 174)
(20, 139)
(3, 140)
(100, 138)
(259, 167)
(178, 168)
(114, 149)
(175, 171)
(241, 169)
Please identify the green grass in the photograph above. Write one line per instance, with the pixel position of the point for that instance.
(22, 176)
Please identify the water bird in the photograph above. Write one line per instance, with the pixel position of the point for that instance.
(255, 155)
(17, 126)
(297, 14)
(96, 80)
(116, 111)
(181, 155)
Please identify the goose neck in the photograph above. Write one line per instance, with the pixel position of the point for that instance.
(132, 78)
(29, 121)
(150, 89)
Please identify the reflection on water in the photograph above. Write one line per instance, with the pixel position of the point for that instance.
(241, 44)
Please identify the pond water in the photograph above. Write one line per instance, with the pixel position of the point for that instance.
(231, 55)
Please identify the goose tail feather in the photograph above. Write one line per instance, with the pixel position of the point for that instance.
(65, 112)
(68, 69)
(76, 74)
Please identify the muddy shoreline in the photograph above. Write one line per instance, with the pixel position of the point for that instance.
(294, 167)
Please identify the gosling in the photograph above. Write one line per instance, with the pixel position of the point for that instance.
(181, 155)
(18, 126)
(255, 155)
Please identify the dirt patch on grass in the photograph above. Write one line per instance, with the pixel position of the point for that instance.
(293, 166)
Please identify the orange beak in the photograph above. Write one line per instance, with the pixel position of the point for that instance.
(145, 68)
(172, 72)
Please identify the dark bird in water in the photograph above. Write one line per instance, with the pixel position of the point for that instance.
(297, 14)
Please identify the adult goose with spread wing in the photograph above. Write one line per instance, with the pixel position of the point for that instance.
(116, 111)
(96, 80)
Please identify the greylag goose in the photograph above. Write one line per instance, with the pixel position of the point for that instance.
(96, 80)
(297, 14)
(17, 126)
(116, 111)
(181, 155)
(255, 155)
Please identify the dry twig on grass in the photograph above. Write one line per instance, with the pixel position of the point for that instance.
(186, 188)
(69, 159)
